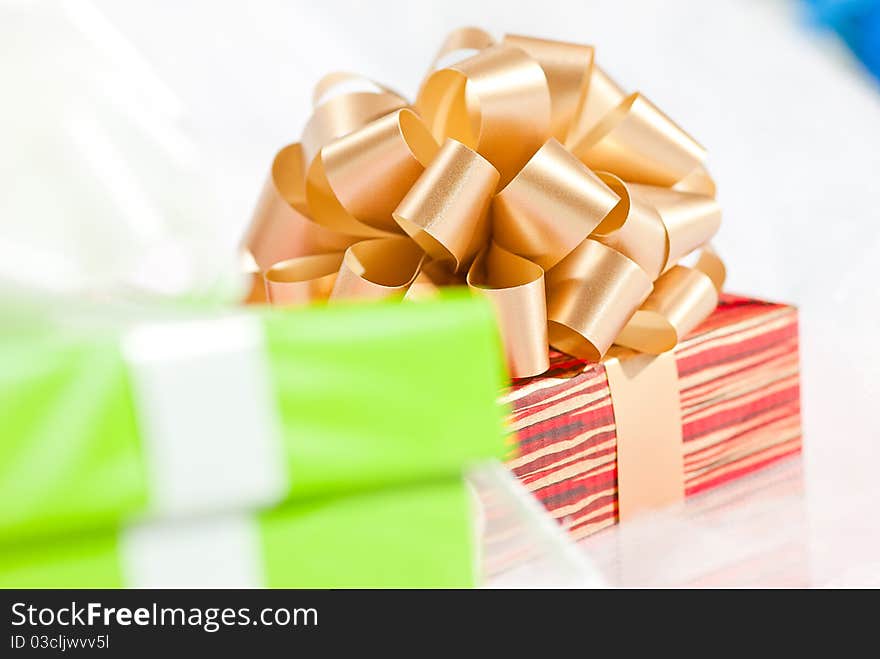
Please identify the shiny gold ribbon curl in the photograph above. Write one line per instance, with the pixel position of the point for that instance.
(522, 170)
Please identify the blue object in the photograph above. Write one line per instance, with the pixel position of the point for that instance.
(858, 24)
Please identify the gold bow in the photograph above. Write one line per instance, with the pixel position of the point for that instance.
(524, 171)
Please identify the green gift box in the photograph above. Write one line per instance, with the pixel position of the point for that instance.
(418, 535)
(337, 436)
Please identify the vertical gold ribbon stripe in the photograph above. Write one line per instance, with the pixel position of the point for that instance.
(647, 416)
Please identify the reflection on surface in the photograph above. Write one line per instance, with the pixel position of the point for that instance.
(752, 532)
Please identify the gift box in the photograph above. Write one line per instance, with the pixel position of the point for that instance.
(584, 214)
(456, 532)
(247, 447)
(738, 384)
(410, 536)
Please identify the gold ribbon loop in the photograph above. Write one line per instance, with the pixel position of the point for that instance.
(682, 298)
(302, 280)
(279, 228)
(328, 211)
(422, 288)
(634, 228)
(639, 143)
(550, 206)
(601, 96)
(568, 67)
(486, 100)
(376, 269)
(690, 219)
(446, 209)
(343, 114)
(371, 170)
(699, 182)
(712, 265)
(339, 79)
(253, 284)
(443, 273)
(591, 295)
(464, 38)
(515, 288)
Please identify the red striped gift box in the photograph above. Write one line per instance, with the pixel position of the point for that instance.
(740, 402)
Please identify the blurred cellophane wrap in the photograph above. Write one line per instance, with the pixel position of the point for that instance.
(131, 213)
(752, 533)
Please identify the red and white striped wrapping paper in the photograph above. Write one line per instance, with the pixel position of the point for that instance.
(740, 402)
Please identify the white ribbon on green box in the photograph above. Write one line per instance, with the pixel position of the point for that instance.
(210, 430)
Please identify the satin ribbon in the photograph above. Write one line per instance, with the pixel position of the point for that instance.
(521, 170)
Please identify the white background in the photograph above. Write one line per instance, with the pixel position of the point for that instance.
(791, 123)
